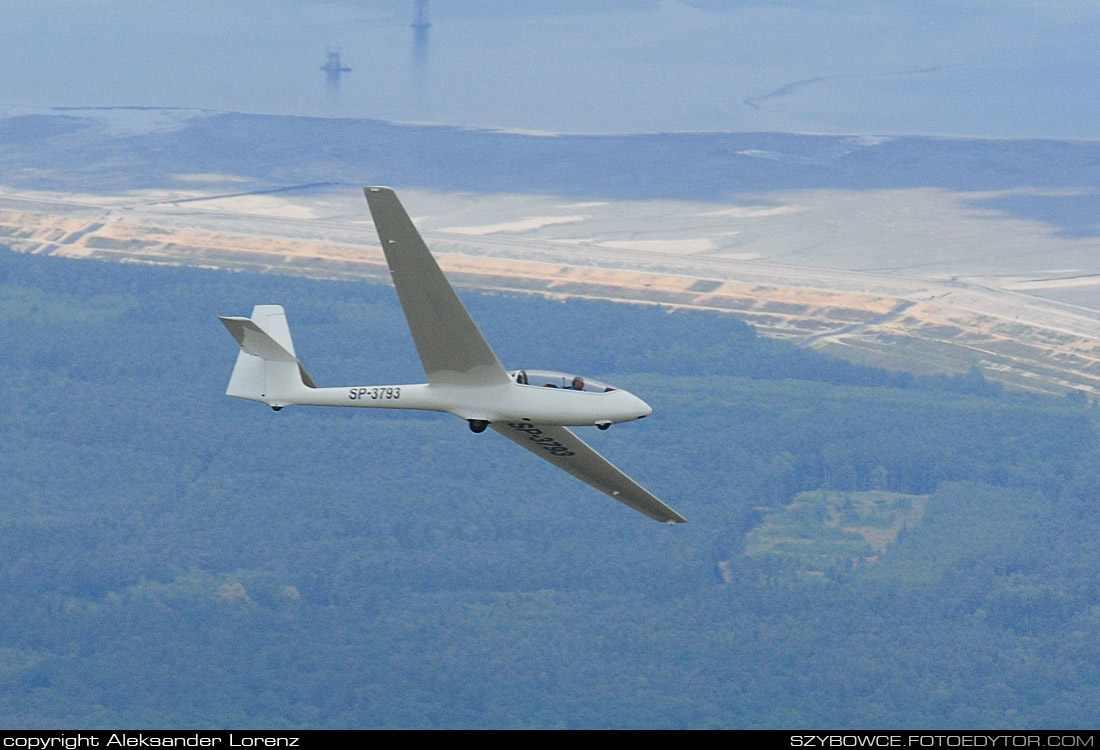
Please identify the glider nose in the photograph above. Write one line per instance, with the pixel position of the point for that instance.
(642, 409)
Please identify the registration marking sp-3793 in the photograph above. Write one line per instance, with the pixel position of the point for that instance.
(374, 393)
(534, 434)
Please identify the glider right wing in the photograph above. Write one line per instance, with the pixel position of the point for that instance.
(451, 347)
(565, 450)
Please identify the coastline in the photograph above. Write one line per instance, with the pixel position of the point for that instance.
(809, 238)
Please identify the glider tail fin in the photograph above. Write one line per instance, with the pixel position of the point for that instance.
(267, 369)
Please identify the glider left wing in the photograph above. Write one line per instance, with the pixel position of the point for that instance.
(565, 450)
(451, 347)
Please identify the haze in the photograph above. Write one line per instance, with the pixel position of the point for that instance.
(983, 68)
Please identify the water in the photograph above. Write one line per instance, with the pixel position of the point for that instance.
(996, 68)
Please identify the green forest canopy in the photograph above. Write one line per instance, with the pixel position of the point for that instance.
(171, 557)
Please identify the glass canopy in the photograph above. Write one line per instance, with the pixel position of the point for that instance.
(564, 380)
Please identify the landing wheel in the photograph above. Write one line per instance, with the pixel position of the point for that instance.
(604, 425)
(276, 408)
(478, 425)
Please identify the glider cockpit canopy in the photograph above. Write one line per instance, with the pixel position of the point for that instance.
(564, 380)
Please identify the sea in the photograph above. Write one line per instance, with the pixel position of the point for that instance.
(978, 68)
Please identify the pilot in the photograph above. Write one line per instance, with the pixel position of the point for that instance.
(578, 383)
(521, 377)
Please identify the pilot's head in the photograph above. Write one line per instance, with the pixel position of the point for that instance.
(578, 383)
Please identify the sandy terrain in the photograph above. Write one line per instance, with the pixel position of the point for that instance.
(917, 279)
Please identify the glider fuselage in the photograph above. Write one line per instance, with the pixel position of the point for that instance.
(508, 402)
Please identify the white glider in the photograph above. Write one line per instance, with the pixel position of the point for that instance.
(530, 407)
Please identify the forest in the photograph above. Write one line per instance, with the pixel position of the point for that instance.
(864, 548)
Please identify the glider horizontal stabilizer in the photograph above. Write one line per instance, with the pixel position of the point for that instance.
(267, 369)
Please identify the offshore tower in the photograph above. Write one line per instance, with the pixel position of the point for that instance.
(420, 16)
(334, 66)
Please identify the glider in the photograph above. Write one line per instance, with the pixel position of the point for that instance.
(533, 408)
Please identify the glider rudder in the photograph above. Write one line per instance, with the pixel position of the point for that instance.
(267, 369)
